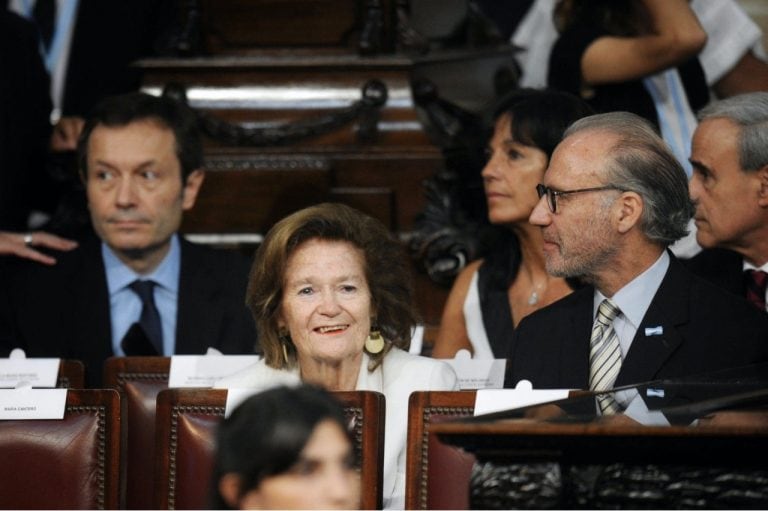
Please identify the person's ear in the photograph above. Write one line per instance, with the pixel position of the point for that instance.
(762, 196)
(629, 209)
(191, 188)
(229, 489)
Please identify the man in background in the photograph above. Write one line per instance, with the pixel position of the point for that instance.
(138, 288)
(613, 199)
(729, 185)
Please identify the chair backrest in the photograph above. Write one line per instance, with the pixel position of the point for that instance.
(139, 380)
(72, 463)
(185, 444)
(71, 374)
(367, 408)
(437, 475)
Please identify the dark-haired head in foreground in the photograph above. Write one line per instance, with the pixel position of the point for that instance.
(285, 448)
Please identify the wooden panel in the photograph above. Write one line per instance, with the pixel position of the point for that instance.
(236, 26)
(71, 374)
(376, 202)
(404, 173)
(278, 87)
(242, 194)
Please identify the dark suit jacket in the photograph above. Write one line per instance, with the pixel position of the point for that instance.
(25, 109)
(108, 38)
(63, 310)
(704, 329)
(723, 268)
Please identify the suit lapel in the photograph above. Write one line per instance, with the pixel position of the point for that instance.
(574, 354)
(87, 287)
(658, 336)
(197, 295)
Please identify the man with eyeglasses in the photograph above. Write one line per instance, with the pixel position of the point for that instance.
(613, 199)
(729, 185)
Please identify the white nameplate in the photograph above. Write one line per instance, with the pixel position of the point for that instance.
(205, 370)
(28, 403)
(37, 372)
(496, 400)
(237, 396)
(478, 373)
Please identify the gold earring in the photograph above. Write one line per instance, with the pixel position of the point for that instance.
(375, 342)
(284, 340)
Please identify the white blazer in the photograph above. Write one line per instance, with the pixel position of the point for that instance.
(398, 375)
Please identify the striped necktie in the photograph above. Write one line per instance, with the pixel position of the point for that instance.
(604, 356)
(756, 281)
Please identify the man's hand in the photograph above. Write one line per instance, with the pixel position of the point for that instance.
(66, 133)
(22, 245)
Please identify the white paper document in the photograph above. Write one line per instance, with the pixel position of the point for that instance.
(37, 372)
(205, 370)
(496, 400)
(477, 373)
(29, 403)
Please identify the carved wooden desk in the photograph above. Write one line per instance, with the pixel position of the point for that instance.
(522, 463)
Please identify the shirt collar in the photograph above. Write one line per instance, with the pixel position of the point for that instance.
(750, 266)
(166, 275)
(635, 297)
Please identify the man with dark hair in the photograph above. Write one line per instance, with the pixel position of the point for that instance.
(730, 187)
(140, 289)
(613, 199)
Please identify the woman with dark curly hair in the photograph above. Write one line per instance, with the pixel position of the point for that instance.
(332, 299)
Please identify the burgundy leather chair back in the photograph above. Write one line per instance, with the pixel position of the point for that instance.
(437, 475)
(185, 444)
(139, 380)
(72, 463)
(366, 411)
(71, 374)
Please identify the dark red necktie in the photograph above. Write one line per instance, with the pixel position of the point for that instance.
(756, 281)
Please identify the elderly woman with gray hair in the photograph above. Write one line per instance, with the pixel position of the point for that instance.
(330, 292)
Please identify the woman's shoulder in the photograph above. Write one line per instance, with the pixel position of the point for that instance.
(414, 370)
(259, 375)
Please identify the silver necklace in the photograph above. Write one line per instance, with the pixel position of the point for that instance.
(533, 298)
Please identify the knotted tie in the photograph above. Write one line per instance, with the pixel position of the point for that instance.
(44, 14)
(756, 281)
(146, 336)
(604, 356)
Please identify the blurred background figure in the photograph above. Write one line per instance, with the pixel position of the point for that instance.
(86, 51)
(637, 56)
(331, 295)
(733, 59)
(25, 107)
(24, 133)
(491, 295)
(285, 448)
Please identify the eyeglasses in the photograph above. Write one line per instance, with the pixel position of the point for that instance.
(552, 195)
